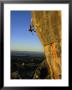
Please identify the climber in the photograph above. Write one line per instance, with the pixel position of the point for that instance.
(31, 28)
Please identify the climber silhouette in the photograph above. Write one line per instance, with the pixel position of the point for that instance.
(31, 28)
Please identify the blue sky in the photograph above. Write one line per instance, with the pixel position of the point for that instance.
(21, 38)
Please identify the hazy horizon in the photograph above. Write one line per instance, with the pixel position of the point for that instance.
(25, 51)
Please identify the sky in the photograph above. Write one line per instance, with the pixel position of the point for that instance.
(20, 37)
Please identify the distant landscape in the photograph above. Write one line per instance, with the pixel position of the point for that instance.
(25, 63)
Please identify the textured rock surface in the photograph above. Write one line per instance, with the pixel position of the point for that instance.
(48, 29)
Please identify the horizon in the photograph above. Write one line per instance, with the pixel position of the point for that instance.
(27, 51)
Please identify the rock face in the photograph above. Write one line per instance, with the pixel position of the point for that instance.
(48, 28)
